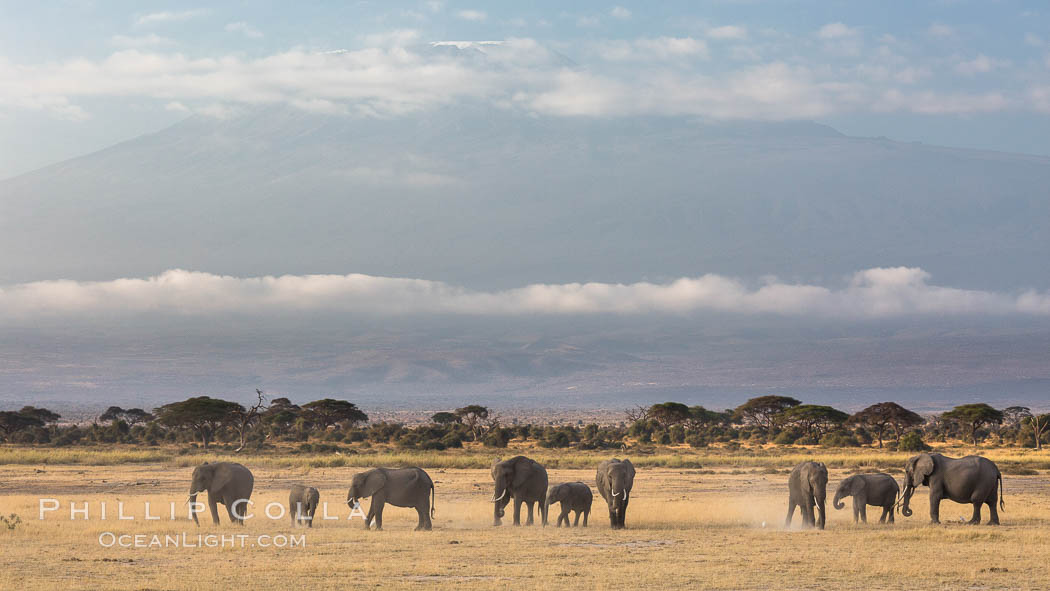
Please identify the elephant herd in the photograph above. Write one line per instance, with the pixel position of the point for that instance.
(519, 479)
(969, 480)
(972, 479)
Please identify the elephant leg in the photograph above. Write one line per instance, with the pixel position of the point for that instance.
(856, 511)
(975, 519)
(371, 515)
(864, 513)
(214, 506)
(563, 516)
(379, 518)
(623, 514)
(612, 516)
(935, 507)
(576, 522)
(586, 514)
(889, 513)
(807, 513)
(517, 511)
(528, 505)
(993, 517)
(882, 518)
(791, 512)
(310, 522)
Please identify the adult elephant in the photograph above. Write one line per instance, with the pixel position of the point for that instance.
(807, 487)
(525, 481)
(970, 480)
(403, 487)
(302, 504)
(615, 478)
(227, 483)
(573, 496)
(877, 490)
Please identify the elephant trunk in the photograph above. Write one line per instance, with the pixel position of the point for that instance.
(837, 501)
(909, 490)
(192, 500)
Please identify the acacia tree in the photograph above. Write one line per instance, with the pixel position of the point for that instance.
(244, 419)
(444, 418)
(974, 416)
(329, 412)
(669, 413)
(1040, 424)
(884, 415)
(202, 414)
(130, 416)
(11, 422)
(813, 419)
(700, 417)
(764, 411)
(280, 415)
(472, 416)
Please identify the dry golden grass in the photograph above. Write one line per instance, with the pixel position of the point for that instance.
(687, 528)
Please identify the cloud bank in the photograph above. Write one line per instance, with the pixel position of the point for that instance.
(870, 294)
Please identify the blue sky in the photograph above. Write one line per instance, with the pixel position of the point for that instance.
(82, 75)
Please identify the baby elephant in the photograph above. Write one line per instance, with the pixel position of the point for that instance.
(302, 504)
(573, 496)
(879, 490)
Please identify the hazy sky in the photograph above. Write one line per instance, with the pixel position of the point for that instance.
(81, 75)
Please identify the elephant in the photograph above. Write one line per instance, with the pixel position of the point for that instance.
(302, 504)
(615, 479)
(877, 490)
(807, 486)
(403, 487)
(964, 480)
(227, 483)
(573, 496)
(525, 481)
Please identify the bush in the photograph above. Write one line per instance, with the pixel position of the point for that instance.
(839, 439)
(497, 437)
(452, 440)
(784, 438)
(912, 441)
(696, 441)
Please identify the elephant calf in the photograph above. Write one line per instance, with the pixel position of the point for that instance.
(302, 504)
(808, 487)
(405, 487)
(573, 496)
(877, 490)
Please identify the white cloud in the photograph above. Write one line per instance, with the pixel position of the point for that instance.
(473, 15)
(727, 32)
(150, 40)
(244, 29)
(645, 49)
(1033, 40)
(621, 13)
(169, 16)
(873, 293)
(396, 38)
(940, 30)
(933, 103)
(588, 21)
(177, 107)
(980, 65)
(836, 31)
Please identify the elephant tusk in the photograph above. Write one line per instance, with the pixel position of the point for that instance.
(500, 497)
(625, 493)
(616, 494)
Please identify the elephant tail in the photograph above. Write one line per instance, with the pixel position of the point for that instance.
(433, 500)
(1002, 503)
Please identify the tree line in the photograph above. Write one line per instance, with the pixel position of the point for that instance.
(324, 424)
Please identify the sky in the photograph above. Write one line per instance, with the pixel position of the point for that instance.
(79, 76)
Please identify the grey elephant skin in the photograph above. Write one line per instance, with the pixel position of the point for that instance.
(401, 487)
(522, 480)
(227, 483)
(302, 504)
(808, 488)
(972, 480)
(877, 490)
(573, 496)
(615, 479)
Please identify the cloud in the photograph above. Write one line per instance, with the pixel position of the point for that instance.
(727, 32)
(621, 13)
(836, 31)
(981, 64)
(169, 17)
(150, 40)
(244, 29)
(873, 293)
(934, 103)
(940, 31)
(644, 49)
(473, 15)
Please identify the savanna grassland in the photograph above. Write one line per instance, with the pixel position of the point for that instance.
(698, 519)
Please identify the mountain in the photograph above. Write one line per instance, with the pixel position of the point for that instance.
(489, 197)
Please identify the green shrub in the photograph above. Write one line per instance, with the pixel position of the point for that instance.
(912, 441)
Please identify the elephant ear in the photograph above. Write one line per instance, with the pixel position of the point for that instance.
(923, 469)
(857, 485)
(629, 472)
(375, 480)
(522, 472)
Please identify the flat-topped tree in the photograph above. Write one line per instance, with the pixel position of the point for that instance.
(328, 412)
(812, 419)
(44, 415)
(202, 414)
(974, 416)
(444, 418)
(669, 413)
(11, 422)
(884, 415)
(472, 416)
(764, 411)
